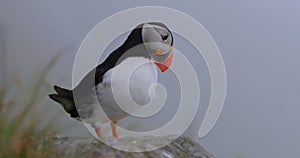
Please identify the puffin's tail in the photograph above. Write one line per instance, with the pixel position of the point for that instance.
(65, 98)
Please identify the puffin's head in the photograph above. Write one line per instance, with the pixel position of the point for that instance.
(158, 40)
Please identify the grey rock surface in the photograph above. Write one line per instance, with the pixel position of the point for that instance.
(92, 148)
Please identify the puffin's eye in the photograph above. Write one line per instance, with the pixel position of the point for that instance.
(164, 37)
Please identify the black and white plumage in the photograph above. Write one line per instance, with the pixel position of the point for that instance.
(148, 44)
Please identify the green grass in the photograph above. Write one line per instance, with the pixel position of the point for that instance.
(22, 126)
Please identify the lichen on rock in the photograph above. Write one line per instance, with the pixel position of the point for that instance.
(92, 148)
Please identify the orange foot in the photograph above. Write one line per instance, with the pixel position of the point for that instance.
(99, 132)
(115, 129)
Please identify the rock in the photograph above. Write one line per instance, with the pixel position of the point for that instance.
(93, 148)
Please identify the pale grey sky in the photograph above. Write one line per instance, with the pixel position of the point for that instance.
(259, 41)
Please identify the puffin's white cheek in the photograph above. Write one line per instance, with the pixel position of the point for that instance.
(150, 35)
(153, 39)
(157, 45)
(152, 46)
(164, 47)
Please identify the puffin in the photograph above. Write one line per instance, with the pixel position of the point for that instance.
(147, 49)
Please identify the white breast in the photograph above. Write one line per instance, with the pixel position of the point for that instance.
(134, 75)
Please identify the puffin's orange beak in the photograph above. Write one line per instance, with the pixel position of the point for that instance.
(165, 64)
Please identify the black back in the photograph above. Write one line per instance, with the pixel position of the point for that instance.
(134, 39)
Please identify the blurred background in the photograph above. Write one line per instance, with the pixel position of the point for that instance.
(259, 42)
